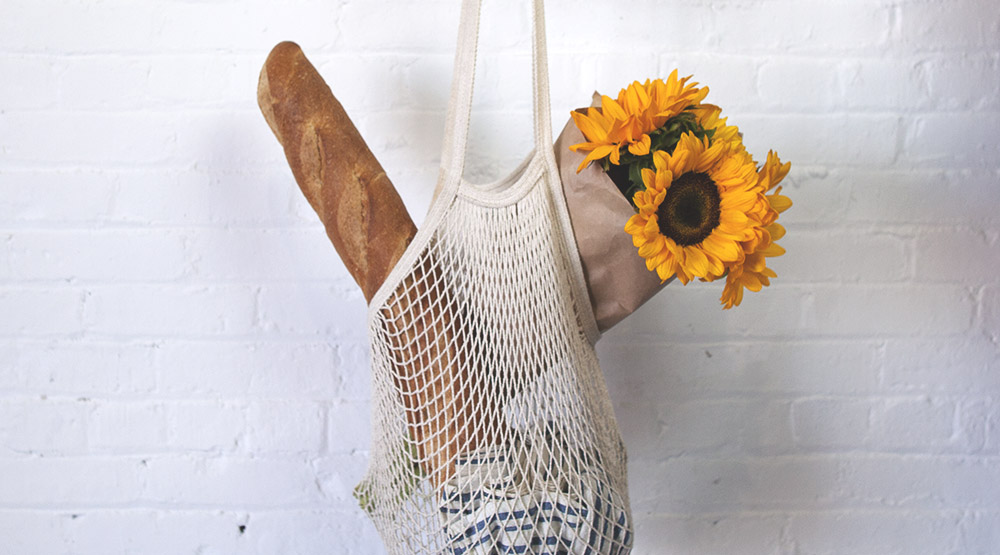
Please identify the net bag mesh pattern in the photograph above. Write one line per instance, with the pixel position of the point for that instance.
(493, 431)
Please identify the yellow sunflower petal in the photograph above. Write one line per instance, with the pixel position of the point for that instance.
(612, 108)
(772, 250)
(776, 230)
(732, 295)
(666, 270)
(779, 202)
(640, 148)
(590, 127)
(648, 178)
(615, 156)
(596, 154)
(696, 261)
(634, 225)
(726, 250)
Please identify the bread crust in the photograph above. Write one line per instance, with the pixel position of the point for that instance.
(344, 183)
(369, 226)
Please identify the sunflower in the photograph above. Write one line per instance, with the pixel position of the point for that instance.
(640, 109)
(698, 210)
(707, 116)
(753, 273)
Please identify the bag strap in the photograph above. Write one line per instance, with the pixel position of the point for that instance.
(460, 103)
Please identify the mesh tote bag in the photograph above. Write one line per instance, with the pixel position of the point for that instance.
(493, 432)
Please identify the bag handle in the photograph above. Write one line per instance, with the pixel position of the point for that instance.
(462, 86)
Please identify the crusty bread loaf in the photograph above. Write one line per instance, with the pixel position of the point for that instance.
(450, 409)
(370, 228)
(341, 178)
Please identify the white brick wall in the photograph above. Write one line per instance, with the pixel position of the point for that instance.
(183, 364)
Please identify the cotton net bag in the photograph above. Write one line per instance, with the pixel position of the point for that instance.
(492, 427)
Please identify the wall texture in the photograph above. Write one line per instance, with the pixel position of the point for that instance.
(183, 362)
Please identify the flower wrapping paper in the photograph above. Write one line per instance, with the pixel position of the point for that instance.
(617, 279)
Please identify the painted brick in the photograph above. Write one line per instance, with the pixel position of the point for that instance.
(969, 136)
(979, 530)
(192, 197)
(966, 24)
(267, 255)
(822, 26)
(203, 80)
(129, 427)
(962, 81)
(801, 85)
(935, 197)
(873, 532)
(423, 82)
(348, 427)
(302, 309)
(144, 530)
(913, 309)
(990, 318)
(35, 86)
(41, 311)
(337, 475)
(848, 140)
(715, 534)
(368, 82)
(111, 138)
(318, 529)
(223, 481)
(964, 366)
(721, 426)
(69, 197)
(640, 429)
(938, 259)
(678, 371)
(199, 426)
(992, 431)
(894, 84)
(574, 25)
(921, 424)
(164, 311)
(353, 369)
(29, 27)
(39, 427)
(102, 256)
(844, 257)
(694, 484)
(412, 26)
(974, 426)
(285, 426)
(229, 370)
(572, 76)
(37, 531)
(832, 424)
(104, 83)
(80, 367)
(696, 313)
(921, 481)
(54, 483)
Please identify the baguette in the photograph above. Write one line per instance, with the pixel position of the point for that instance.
(369, 226)
(340, 177)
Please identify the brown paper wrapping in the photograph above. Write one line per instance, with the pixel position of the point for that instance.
(617, 278)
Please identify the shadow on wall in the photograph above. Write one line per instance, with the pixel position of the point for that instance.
(707, 407)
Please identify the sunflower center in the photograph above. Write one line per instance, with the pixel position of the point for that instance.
(690, 210)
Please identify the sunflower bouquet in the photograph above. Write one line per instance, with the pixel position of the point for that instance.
(703, 207)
